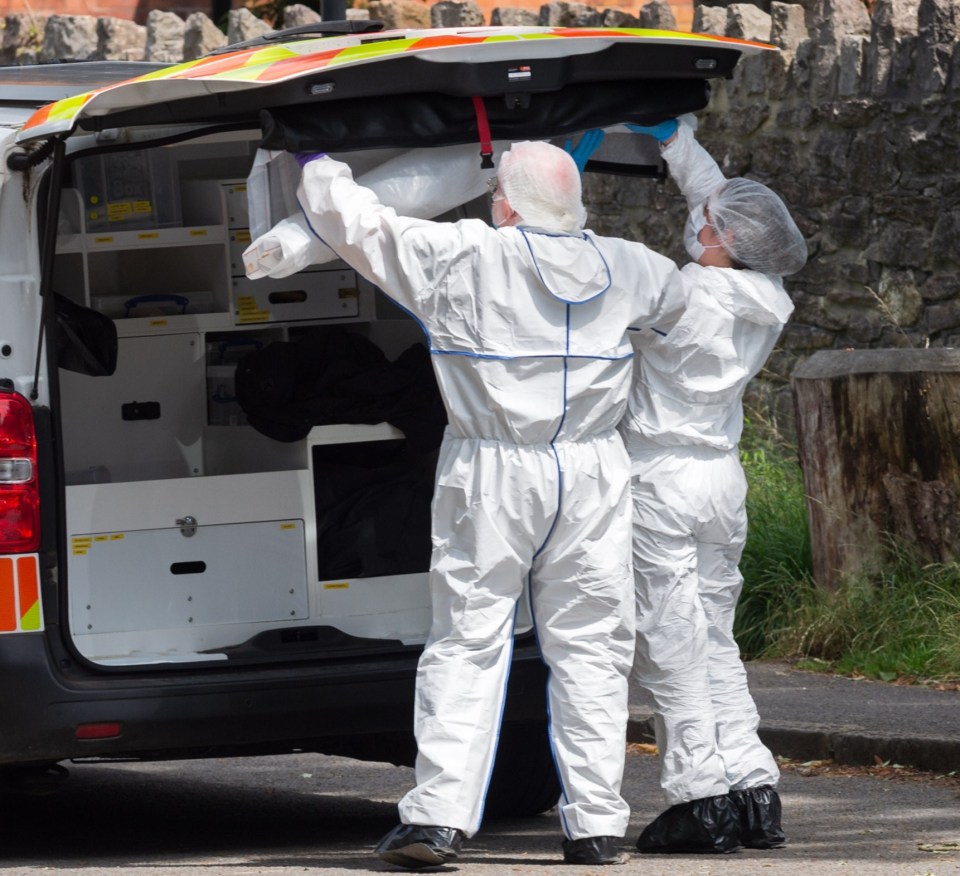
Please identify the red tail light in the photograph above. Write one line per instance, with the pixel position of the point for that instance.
(105, 730)
(19, 495)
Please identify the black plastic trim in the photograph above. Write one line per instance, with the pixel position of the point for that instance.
(416, 120)
(186, 714)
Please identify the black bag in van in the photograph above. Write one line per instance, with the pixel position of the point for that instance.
(372, 521)
(330, 376)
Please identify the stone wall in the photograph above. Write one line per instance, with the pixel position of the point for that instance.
(856, 122)
(168, 37)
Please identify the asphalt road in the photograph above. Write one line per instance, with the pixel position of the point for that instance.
(308, 813)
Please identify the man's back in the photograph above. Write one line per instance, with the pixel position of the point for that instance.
(689, 384)
(527, 329)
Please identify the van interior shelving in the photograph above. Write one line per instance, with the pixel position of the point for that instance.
(193, 534)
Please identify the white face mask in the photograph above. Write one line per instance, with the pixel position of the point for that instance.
(499, 213)
(696, 221)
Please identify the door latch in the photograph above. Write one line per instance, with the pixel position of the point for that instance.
(188, 526)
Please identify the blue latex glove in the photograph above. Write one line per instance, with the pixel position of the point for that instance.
(661, 133)
(589, 143)
(304, 157)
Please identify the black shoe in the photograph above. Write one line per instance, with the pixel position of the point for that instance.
(759, 813)
(710, 824)
(415, 846)
(594, 850)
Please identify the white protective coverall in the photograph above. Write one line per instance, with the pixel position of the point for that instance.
(682, 430)
(528, 336)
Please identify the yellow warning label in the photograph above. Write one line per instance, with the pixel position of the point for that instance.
(242, 235)
(249, 311)
(198, 232)
(338, 585)
(81, 545)
(119, 210)
(284, 526)
(149, 235)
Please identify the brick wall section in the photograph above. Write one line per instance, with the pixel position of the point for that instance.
(856, 123)
(132, 10)
(137, 10)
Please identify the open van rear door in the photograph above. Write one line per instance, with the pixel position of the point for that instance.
(416, 88)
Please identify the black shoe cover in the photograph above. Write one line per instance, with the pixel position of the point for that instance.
(759, 811)
(593, 850)
(709, 824)
(415, 846)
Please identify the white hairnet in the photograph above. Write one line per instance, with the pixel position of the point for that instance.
(542, 184)
(763, 235)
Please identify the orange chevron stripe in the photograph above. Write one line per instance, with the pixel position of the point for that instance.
(8, 601)
(290, 66)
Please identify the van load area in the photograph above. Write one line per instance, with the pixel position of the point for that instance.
(254, 478)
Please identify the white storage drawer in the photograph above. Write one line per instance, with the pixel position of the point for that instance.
(330, 294)
(220, 574)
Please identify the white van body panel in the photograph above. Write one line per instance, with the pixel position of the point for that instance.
(20, 302)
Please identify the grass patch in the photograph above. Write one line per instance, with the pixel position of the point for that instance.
(905, 622)
(902, 623)
(776, 563)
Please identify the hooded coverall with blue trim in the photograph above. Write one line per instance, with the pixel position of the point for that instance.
(682, 431)
(528, 335)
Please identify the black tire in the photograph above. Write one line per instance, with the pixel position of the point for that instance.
(524, 780)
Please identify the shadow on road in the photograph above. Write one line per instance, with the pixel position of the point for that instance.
(304, 812)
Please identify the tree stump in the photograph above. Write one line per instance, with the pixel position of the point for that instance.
(879, 442)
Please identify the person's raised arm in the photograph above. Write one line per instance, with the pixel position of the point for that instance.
(696, 173)
(401, 255)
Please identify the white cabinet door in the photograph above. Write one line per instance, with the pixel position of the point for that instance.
(145, 421)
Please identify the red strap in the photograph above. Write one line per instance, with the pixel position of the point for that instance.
(483, 129)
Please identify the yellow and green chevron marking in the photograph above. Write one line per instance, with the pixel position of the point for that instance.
(276, 63)
(20, 610)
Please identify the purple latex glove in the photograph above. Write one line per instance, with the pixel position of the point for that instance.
(304, 157)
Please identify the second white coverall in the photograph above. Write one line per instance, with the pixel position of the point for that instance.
(528, 336)
(682, 430)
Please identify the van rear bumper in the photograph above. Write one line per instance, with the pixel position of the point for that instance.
(363, 708)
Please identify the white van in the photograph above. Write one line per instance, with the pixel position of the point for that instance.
(214, 491)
